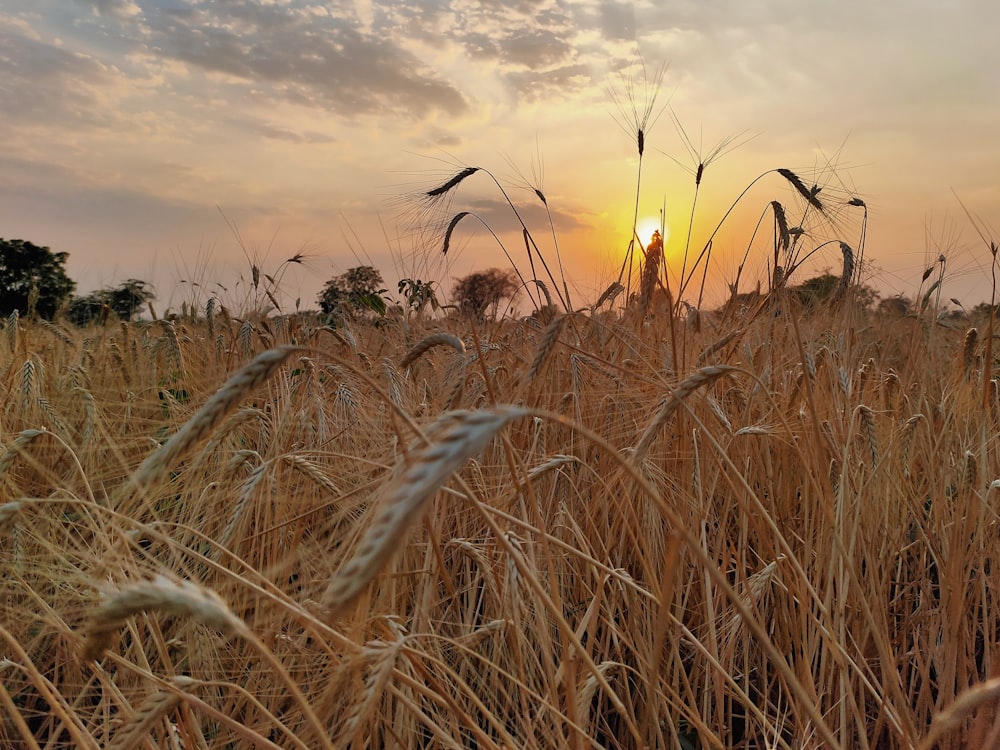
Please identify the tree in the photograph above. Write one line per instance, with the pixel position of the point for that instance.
(359, 288)
(418, 295)
(820, 290)
(123, 300)
(33, 279)
(896, 306)
(478, 292)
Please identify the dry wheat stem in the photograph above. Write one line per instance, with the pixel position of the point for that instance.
(711, 566)
(452, 440)
(50, 694)
(208, 417)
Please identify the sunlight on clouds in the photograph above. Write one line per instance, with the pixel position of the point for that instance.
(298, 111)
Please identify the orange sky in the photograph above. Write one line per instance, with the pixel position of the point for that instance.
(134, 129)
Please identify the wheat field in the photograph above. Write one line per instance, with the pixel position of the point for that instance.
(766, 528)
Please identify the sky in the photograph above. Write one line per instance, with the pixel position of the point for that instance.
(182, 141)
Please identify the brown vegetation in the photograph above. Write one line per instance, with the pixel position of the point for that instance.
(610, 532)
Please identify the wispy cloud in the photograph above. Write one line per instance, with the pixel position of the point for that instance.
(304, 55)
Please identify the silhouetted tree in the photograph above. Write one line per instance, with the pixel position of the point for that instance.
(359, 288)
(820, 290)
(482, 291)
(33, 279)
(123, 300)
(896, 306)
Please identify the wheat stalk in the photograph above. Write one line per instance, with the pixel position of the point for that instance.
(452, 440)
(23, 439)
(178, 598)
(549, 339)
(452, 183)
(429, 342)
(152, 709)
(963, 704)
(847, 273)
(868, 419)
(451, 229)
(208, 417)
(796, 182)
(782, 223)
(609, 294)
(8, 517)
(969, 352)
(383, 657)
(689, 385)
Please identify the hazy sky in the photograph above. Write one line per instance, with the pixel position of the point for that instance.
(141, 136)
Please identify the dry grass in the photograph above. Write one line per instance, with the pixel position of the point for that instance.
(786, 543)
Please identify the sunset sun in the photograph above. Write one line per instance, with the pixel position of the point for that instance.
(647, 225)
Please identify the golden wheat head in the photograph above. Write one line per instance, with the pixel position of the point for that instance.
(178, 598)
(669, 405)
(429, 342)
(208, 417)
(452, 440)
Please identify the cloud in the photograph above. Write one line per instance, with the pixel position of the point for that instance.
(618, 20)
(114, 8)
(497, 214)
(534, 47)
(307, 58)
(48, 84)
(539, 85)
(292, 136)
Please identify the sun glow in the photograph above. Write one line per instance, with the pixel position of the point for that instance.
(645, 227)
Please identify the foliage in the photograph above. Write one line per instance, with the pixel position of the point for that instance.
(896, 306)
(983, 310)
(480, 292)
(821, 289)
(418, 295)
(357, 289)
(33, 279)
(123, 300)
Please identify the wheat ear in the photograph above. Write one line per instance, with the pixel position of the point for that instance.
(138, 726)
(782, 223)
(429, 342)
(452, 440)
(179, 598)
(9, 513)
(796, 182)
(868, 420)
(208, 417)
(669, 405)
(969, 352)
(549, 339)
(23, 439)
(452, 183)
(451, 229)
(957, 712)
(610, 293)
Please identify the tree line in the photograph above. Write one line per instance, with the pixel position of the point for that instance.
(34, 282)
